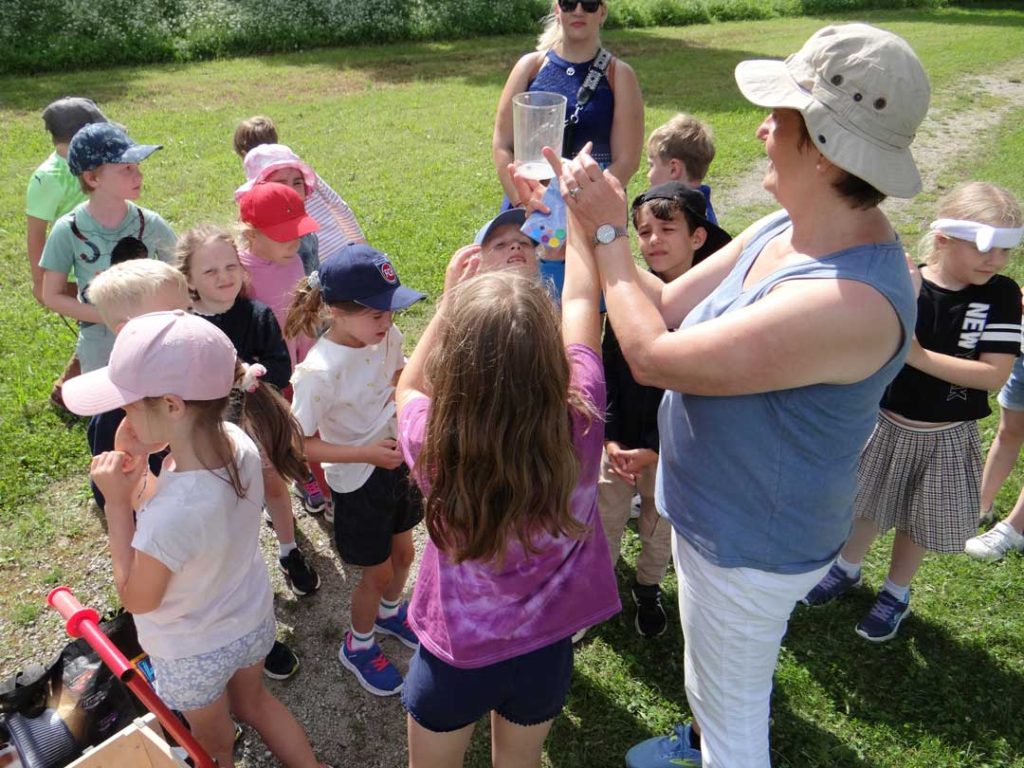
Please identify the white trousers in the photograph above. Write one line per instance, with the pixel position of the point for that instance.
(733, 623)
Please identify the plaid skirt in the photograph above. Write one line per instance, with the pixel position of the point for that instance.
(923, 482)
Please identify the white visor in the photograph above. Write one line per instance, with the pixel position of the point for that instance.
(985, 237)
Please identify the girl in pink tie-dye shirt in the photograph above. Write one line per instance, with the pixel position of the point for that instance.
(499, 416)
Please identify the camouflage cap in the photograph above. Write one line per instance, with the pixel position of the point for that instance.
(100, 143)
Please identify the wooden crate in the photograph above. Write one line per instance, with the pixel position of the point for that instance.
(140, 745)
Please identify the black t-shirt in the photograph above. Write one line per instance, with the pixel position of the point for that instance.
(254, 331)
(632, 417)
(965, 323)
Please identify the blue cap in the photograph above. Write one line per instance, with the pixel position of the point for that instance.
(362, 274)
(99, 143)
(515, 216)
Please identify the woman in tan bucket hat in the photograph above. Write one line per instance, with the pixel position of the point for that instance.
(785, 341)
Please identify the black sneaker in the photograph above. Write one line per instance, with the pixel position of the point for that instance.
(651, 620)
(300, 576)
(280, 663)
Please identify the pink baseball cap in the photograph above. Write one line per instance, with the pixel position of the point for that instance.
(277, 211)
(162, 353)
(262, 160)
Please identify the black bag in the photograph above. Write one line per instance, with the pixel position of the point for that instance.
(53, 712)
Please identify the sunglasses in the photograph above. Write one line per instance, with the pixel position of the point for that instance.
(590, 6)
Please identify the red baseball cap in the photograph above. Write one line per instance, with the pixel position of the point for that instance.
(277, 211)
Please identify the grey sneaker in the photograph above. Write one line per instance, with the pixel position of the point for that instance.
(994, 544)
(987, 515)
(833, 584)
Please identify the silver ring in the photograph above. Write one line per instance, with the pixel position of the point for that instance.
(574, 191)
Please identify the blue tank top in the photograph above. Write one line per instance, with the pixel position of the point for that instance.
(595, 118)
(767, 481)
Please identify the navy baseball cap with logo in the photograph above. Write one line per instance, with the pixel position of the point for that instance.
(362, 274)
(99, 143)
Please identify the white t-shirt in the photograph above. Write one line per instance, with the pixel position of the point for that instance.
(346, 393)
(197, 526)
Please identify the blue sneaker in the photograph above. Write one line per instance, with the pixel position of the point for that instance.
(884, 619)
(371, 668)
(833, 584)
(666, 751)
(398, 626)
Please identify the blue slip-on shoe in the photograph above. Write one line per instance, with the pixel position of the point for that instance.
(666, 751)
(833, 584)
(883, 620)
(398, 626)
(371, 668)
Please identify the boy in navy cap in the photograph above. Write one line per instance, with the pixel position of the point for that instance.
(105, 161)
(503, 245)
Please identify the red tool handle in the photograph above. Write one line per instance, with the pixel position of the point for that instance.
(84, 622)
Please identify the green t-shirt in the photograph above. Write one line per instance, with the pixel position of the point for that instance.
(52, 191)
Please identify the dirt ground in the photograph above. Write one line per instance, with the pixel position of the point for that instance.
(347, 725)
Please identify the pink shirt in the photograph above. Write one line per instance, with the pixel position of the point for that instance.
(471, 615)
(273, 283)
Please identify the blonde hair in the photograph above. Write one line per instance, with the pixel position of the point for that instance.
(192, 241)
(687, 139)
(551, 34)
(498, 450)
(252, 132)
(119, 292)
(979, 201)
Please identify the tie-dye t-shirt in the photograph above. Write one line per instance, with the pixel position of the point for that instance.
(471, 615)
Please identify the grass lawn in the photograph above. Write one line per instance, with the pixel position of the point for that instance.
(404, 134)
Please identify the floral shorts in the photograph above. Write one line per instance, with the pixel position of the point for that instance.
(197, 681)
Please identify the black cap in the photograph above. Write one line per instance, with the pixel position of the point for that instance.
(696, 205)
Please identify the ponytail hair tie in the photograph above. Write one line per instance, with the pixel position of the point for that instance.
(253, 374)
(313, 280)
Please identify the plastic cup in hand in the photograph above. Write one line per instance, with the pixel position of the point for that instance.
(538, 120)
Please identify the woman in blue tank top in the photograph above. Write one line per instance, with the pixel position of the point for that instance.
(613, 119)
(785, 341)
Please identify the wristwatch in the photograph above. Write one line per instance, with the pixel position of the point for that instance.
(608, 233)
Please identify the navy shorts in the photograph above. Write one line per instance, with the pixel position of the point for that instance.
(366, 519)
(526, 690)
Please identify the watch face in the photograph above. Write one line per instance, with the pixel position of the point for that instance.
(605, 234)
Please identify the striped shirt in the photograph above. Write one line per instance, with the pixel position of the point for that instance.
(338, 224)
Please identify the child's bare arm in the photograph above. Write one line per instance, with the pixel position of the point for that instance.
(141, 580)
(56, 298)
(383, 454)
(989, 372)
(413, 381)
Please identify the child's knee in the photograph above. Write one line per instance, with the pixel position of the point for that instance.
(377, 577)
(402, 554)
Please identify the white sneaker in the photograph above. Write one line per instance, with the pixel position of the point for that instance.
(992, 545)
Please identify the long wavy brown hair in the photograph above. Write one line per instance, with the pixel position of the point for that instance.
(498, 449)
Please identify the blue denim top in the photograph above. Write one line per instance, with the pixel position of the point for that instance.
(767, 480)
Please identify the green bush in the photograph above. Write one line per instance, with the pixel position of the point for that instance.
(49, 35)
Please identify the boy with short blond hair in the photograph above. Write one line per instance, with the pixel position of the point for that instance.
(682, 150)
(136, 288)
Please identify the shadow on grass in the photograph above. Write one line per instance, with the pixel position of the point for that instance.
(925, 682)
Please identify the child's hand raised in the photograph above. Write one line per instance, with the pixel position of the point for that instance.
(384, 454)
(593, 196)
(463, 265)
(116, 475)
